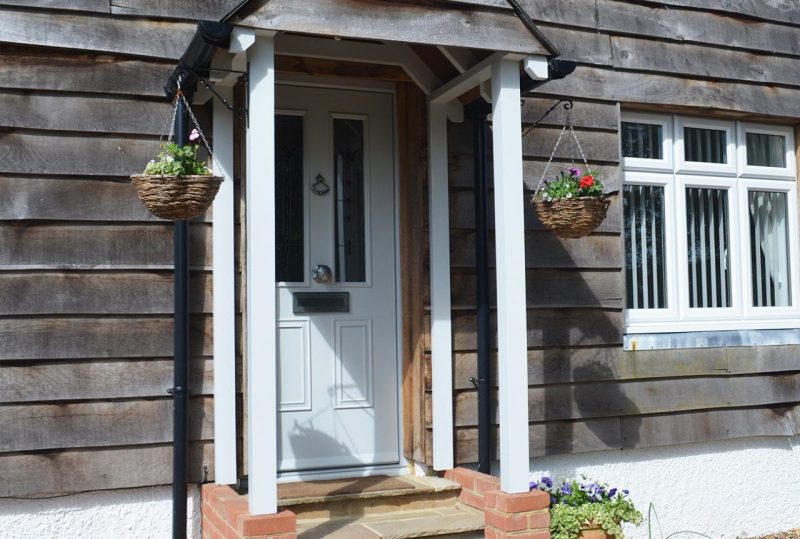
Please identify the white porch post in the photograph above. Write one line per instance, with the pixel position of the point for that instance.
(512, 341)
(261, 301)
(224, 296)
(441, 332)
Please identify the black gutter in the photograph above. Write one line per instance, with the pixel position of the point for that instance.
(533, 29)
(208, 37)
(478, 112)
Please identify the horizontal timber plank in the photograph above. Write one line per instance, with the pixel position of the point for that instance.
(548, 327)
(552, 438)
(634, 398)
(75, 338)
(784, 11)
(37, 153)
(599, 364)
(462, 212)
(652, 89)
(695, 427)
(61, 199)
(58, 246)
(99, 379)
(403, 21)
(60, 472)
(82, 114)
(139, 37)
(596, 145)
(583, 114)
(56, 293)
(548, 288)
(667, 22)
(707, 62)
(36, 427)
(96, 6)
(45, 69)
(697, 26)
(191, 9)
(545, 250)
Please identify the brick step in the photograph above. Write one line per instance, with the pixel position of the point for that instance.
(402, 494)
(453, 521)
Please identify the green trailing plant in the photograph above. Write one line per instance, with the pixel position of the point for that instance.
(174, 160)
(575, 503)
(572, 183)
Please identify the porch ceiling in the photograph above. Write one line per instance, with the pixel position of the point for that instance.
(436, 22)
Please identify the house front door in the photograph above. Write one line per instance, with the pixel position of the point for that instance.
(336, 271)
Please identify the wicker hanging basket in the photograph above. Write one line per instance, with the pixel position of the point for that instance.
(572, 217)
(176, 197)
(180, 197)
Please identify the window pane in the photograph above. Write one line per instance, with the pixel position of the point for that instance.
(641, 140)
(645, 261)
(769, 249)
(705, 145)
(289, 189)
(708, 244)
(348, 157)
(766, 150)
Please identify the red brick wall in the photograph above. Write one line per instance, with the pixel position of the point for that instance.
(226, 516)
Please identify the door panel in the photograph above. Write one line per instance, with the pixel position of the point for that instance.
(338, 371)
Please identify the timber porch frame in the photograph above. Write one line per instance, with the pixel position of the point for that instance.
(511, 54)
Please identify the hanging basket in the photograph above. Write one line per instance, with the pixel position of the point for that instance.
(572, 217)
(176, 197)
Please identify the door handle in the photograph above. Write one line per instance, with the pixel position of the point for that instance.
(321, 273)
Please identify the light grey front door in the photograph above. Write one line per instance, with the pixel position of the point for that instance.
(337, 334)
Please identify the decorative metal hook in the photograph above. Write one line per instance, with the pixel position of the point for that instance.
(567, 103)
(320, 186)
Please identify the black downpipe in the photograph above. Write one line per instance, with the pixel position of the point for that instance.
(482, 288)
(478, 111)
(180, 447)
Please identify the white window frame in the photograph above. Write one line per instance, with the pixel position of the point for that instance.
(738, 179)
(682, 166)
(638, 163)
(789, 172)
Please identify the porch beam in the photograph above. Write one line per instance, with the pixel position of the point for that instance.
(470, 78)
(262, 433)
(441, 324)
(404, 22)
(512, 340)
(462, 59)
(224, 309)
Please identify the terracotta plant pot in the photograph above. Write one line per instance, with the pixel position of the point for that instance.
(592, 530)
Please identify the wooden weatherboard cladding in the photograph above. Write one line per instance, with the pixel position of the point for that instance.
(85, 272)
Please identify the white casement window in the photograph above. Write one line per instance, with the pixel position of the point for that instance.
(710, 225)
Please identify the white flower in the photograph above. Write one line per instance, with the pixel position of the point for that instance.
(569, 195)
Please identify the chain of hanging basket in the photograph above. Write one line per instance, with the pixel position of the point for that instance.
(574, 217)
(176, 197)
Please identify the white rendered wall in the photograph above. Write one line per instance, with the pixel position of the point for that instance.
(142, 513)
(729, 489)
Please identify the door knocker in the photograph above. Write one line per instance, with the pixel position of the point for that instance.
(320, 187)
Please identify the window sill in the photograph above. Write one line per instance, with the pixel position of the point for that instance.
(710, 339)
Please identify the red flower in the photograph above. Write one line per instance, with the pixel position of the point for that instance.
(586, 181)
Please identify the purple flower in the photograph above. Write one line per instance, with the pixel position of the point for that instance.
(566, 489)
(534, 485)
(194, 135)
(612, 492)
(574, 171)
(625, 491)
(547, 481)
(552, 499)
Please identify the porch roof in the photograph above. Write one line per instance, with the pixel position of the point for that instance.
(496, 25)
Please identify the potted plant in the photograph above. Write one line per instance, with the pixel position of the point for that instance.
(573, 204)
(177, 184)
(587, 509)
